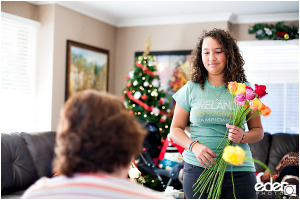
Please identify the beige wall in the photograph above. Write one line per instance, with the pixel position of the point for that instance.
(163, 38)
(20, 8)
(70, 25)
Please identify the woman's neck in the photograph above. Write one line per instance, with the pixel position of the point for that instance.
(216, 80)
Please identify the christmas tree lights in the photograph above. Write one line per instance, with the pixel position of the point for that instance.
(143, 97)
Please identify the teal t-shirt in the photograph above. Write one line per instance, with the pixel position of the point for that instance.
(208, 119)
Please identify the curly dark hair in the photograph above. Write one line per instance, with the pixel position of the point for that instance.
(234, 70)
(95, 133)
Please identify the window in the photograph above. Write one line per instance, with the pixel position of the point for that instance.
(17, 73)
(276, 65)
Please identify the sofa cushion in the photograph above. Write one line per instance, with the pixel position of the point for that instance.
(17, 168)
(281, 144)
(260, 151)
(41, 148)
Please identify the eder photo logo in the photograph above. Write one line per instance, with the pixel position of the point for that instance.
(289, 190)
(269, 188)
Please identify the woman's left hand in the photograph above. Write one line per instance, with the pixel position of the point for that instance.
(235, 133)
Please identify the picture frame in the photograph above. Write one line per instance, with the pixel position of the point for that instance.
(87, 67)
(173, 69)
(167, 62)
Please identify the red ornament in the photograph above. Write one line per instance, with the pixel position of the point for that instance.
(122, 96)
(144, 97)
(131, 111)
(161, 101)
(127, 77)
(278, 33)
(282, 34)
(129, 84)
(162, 120)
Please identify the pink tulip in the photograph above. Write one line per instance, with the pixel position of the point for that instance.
(240, 99)
(250, 94)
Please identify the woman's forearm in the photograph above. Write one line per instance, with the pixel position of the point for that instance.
(254, 135)
(180, 137)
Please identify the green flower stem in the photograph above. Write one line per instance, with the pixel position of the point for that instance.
(235, 113)
(221, 168)
(233, 188)
(220, 181)
(244, 115)
(223, 137)
(205, 185)
(210, 188)
(254, 115)
(215, 172)
(217, 177)
(259, 162)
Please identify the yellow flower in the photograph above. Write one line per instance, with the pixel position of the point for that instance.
(255, 104)
(241, 89)
(234, 155)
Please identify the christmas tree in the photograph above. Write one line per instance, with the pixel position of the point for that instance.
(142, 95)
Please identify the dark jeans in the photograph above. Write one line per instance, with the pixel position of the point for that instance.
(244, 183)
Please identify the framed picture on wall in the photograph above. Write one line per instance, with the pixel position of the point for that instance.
(173, 69)
(171, 66)
(87, 68)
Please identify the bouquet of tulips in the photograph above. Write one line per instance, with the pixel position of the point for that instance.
(244, 100)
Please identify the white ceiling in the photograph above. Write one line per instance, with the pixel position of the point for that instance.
(137, 13)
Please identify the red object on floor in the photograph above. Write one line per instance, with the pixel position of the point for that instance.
(167, 143)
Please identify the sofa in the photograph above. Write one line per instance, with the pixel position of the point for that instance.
(272, 148)
(270, 151)
(25, 157)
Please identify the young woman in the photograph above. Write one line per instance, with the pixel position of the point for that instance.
(206, 103)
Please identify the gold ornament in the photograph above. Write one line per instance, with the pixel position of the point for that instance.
(286, 36)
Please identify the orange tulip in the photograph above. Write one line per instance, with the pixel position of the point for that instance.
(265, 110)
(232, 87)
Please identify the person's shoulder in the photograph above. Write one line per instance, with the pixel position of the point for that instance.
(192, 84)
(40, 183)
(248, 84)
(145, 191)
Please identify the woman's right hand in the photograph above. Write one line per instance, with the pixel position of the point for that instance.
(267, 176)
(204, 155)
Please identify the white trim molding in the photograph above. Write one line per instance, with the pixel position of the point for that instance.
(245, 19)
(184, 19)
(181, 19)
(20, 19)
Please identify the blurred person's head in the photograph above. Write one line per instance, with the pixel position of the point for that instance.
(96, 134)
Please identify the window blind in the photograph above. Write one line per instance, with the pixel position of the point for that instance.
(17, 73)
(276, 65)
